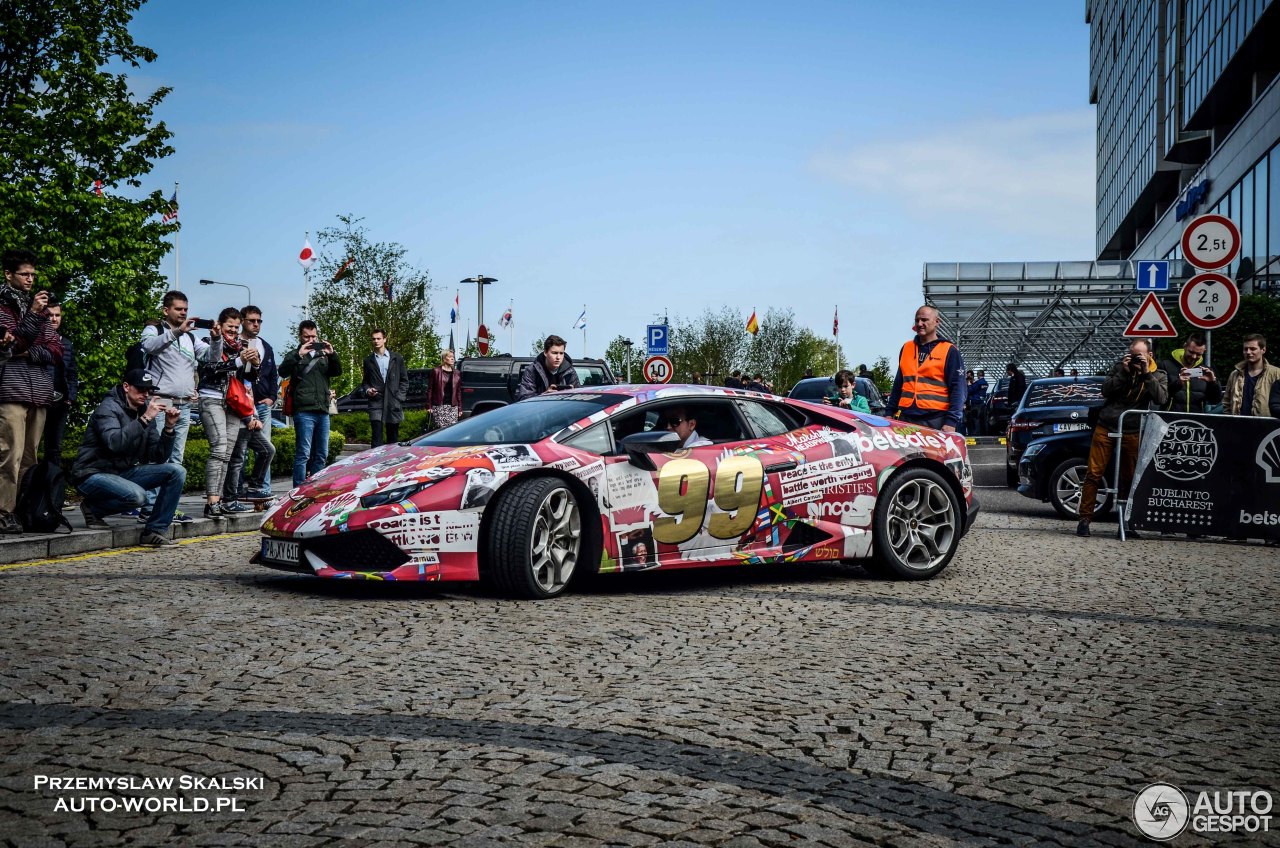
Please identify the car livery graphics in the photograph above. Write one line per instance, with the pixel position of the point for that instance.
(422, 511)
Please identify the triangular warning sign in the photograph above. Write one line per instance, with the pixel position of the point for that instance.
(1151, 321)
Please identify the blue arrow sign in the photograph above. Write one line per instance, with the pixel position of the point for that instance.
(657, 340)
(1153, 275)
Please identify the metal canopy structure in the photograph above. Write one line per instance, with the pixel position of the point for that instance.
(1040, 315)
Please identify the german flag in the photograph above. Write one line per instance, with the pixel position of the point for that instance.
(753, 326)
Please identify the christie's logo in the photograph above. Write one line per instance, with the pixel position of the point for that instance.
(1187, 451)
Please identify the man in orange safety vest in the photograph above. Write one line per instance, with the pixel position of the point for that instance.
(929, 388)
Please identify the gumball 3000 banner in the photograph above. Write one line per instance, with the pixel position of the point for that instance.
(1207, 475)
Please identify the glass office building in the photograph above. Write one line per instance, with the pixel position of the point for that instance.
(1188, 97)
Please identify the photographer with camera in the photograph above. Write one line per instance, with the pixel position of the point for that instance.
(219, 414)
(172, 354)
(310, 368)
(1134, 383)
(1192, 384)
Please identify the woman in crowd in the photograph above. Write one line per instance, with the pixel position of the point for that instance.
(222, 424)
(445, 397)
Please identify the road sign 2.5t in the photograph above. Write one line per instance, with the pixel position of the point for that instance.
(1211, 242)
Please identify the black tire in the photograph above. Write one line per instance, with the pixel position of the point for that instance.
(1065, 482)
(917, 525)
(537, 519)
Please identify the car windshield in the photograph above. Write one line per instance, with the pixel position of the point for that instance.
(812, 389)
(591, 375)
(1063, 394)
(528, 421)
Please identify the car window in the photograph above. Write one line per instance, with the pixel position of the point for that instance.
(767, 419)
(595, 439)
(591, 375)
(716, 419)
(529, 420)
(480, 373)
(813, 390)
(1063, 394)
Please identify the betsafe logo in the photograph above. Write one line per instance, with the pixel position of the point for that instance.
(1161, 811)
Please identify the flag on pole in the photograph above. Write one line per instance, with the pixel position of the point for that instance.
(581, 323)
(307, 257)
(835, 324)
(457, 308)
(172, 213)
(345, 270)
(97, 187)
(753, 326)
(505, 320)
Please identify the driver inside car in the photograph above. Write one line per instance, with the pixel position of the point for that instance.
(678, 420)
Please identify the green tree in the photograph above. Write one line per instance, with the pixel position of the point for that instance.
(347, 307)
(620, 355)
(882, 375)
(68, 125)
(1258, 313)
(711, 344)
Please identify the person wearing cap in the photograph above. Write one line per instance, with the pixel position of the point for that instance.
(122, 457)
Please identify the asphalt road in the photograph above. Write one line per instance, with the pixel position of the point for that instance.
(1023, 697)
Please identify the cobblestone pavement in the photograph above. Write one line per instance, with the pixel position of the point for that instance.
(1023, 697)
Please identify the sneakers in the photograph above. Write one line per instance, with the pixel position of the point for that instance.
(1082, 529)
(9, 524)
(133, 513)
(235, 507)
(92, 521)
(155, 540)
(181, 517)
(214, 511)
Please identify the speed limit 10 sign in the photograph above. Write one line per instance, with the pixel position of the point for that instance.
(657, 369)
(1211, 242)
(1209, 300)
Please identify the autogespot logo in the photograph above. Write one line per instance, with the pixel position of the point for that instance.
(1161, 811)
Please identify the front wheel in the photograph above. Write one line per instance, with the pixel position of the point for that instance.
(917, 525)
(536, 538)
(1066, 484)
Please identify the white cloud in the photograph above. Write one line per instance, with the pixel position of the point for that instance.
(1032, 174)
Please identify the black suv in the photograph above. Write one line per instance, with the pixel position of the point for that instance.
(489, 382)
(1049, 439)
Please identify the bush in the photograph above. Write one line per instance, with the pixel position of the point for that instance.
(286, 445)
(355, 426)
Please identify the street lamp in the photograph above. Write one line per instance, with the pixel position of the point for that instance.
(628, 344)
(239, 285)
(481, 281)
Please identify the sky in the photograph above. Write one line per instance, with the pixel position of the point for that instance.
(632, 159)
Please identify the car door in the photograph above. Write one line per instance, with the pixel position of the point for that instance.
(694, 505)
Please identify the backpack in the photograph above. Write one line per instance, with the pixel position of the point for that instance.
(41, 497)
(135, 358)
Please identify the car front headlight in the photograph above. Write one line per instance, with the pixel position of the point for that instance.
(386, 496)
(1033, 449)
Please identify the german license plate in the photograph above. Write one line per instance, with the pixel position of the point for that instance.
(280, 550)
(1067, 428)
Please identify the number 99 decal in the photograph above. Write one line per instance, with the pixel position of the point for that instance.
(684, 485)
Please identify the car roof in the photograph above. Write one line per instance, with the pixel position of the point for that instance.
(1053, 381)
(655, 391)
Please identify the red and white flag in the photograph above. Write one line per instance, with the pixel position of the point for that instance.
(835, 324)
(307, 256)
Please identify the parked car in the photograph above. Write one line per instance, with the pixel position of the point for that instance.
(1050, 405)
(583, 481)
(814, 389)
(489, 382)
(1048, 447)
(415, 398)
(996, 412)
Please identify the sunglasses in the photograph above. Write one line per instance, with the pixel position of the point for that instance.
(252, 321)
(675, 422)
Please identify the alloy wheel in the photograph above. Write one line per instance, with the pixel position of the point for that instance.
(921, 523)
(556, 540)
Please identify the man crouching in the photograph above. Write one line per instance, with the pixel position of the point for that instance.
(122, 456)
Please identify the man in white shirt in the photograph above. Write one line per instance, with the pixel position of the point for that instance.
(677, 418)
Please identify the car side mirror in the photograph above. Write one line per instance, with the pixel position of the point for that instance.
(639, 445)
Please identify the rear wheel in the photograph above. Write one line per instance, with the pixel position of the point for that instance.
(917, 525)
(1066, 483)
(536, 538)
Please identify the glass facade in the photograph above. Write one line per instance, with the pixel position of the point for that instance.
(1254, 204)
(1161, 74)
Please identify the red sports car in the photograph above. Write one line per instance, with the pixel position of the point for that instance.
(598, 480)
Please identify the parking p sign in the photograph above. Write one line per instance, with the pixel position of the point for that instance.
(657, 341)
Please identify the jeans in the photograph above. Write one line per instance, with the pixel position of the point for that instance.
(393, 433)
(55, 426)
(263, 453)
(180, 430)
(107, 494)
(312, 450)
(222, 428)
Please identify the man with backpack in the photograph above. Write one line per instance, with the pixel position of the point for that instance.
(123, 458)
(172, 354)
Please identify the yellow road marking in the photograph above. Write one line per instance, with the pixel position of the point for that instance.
(111, 552)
